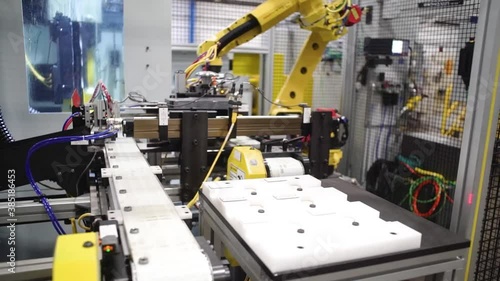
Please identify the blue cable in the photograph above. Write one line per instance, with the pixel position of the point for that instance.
(29, 175)
(69, 118)
(380, 132)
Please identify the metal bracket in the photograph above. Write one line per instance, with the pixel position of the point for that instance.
(184, 212)
(163, 122)
(109, 172)
(116, 215)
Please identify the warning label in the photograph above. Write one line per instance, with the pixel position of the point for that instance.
(236, 174)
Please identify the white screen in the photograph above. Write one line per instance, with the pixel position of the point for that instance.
(397, 47)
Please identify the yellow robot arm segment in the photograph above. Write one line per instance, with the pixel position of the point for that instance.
(292, 92)
(325, 21)
(265, 16)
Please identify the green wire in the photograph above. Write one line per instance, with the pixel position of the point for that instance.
(443, 185)
(416, 183)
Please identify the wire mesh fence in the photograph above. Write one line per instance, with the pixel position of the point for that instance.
(194, 21)
(488, 260)
(410, 103)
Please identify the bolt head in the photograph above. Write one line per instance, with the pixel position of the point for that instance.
(123, 191)
(88, 244)
(134, 230)
(143, 260)
(127, 209)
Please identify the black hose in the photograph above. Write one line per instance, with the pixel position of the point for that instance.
(5, 136)
(237, 32)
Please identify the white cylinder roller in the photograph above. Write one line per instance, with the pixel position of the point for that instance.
(284, 167)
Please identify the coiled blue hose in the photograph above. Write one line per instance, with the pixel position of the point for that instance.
(106, 134)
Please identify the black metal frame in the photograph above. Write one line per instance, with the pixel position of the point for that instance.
(194, 146)
(319, 149)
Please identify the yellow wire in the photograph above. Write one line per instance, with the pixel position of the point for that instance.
(73, 225)
(195, 199)
(344, 16)
(429, 173)
(340, 8)
(79, 221)
(210, 55)
(456, 127)
(37, 74)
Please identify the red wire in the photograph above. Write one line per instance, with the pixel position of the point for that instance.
(96, 90)
(66, 126)
(409, 168)
(419, 188)
(108, 96)
(449, 198)
(436, 202)
(106, 93)
(200, 57)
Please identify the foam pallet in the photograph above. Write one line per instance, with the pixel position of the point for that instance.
(294, 223)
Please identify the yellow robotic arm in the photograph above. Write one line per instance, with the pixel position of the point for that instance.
(326, 22)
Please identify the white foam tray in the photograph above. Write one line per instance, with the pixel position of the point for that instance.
(293, 223)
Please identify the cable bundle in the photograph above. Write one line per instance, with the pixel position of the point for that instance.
(426, 178)
(439, 189)
(206, 57)
(102, 89)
